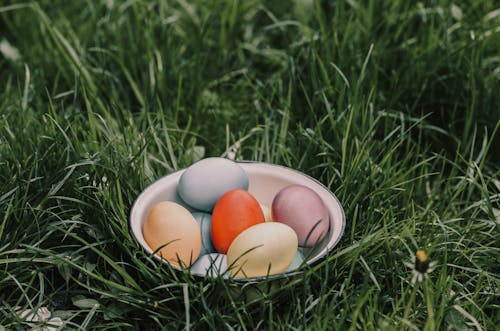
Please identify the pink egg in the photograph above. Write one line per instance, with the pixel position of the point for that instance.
(303, 210)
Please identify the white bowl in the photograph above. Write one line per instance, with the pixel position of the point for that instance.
(265, 181)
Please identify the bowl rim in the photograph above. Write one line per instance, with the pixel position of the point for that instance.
(259, 279)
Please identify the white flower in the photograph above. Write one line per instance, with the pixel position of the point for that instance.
(421, 266)
(42, 319)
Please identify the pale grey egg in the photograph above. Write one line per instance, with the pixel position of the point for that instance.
(204, 182)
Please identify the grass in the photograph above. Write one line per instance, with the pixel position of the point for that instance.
(393, 105)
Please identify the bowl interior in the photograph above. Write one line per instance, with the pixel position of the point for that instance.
(265, 180)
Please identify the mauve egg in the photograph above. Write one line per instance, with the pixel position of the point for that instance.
(204, 182)
(204, 221)
(303, 210)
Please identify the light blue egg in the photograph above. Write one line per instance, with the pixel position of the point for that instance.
(204, 221)
(210, 265)
(297, 261)
(204, 182)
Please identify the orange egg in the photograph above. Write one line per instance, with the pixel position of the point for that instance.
(173, 228)
(233, 213)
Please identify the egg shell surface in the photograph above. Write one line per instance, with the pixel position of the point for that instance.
(210, 265)
(303, 210)
(203, 183)
(172, 226)
(263, 249)
(236, 211)
(267, 212)
(297, 261)
(204, 222)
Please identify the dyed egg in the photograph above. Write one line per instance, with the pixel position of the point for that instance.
(267, 212)
(261, 250)
(303, 210)
(297, 261)
(211, 265)
(173, 228)
(204, 222)
(203, 183)
(236, 211)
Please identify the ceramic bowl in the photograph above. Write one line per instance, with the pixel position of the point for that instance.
(265, 181)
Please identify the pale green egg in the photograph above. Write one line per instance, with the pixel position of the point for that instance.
(297, 261)
(211, 265)
(204, 221)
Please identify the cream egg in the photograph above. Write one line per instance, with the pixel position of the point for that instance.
(263, 249)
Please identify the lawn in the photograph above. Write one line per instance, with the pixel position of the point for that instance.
(393, 105)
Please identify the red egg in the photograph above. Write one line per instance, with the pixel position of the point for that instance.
(234, 212)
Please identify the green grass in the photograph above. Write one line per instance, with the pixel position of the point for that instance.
(394, 105)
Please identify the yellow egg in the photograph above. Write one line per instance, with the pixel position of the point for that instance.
(261, 250)
(267, 212)
(172, 226)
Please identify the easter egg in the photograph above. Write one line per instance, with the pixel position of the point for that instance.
(263, 249)
(172, 229)
(211, 265)
(267, 212)
(203, 183)
(235, 211)
(297, 261)
(303, 210)
(204, 222)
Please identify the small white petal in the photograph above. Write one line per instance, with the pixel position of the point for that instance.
(109, 3)
(26, 314)
(414, 278)
(8, 51)
(496, 213)
(43, 314)
(456, 12)
(408, 264)
(54, 324)
(495, 181)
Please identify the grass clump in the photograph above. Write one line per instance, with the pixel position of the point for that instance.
(393, 105)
